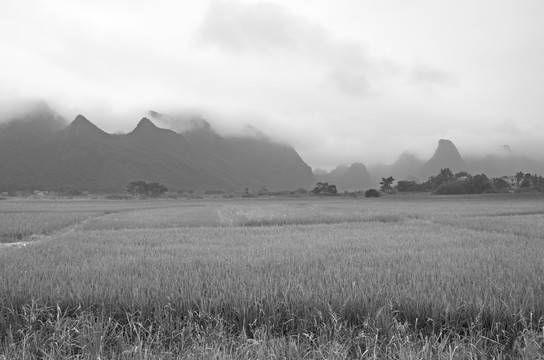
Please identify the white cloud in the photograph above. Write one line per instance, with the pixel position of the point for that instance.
(343, 82)
(265, 30)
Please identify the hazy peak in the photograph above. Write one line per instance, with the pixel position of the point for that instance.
(182, 123)
(320, 171)
(146, 127)
(355, 177)
(445, 143)
(145, 123)
(80, 120)
(341, 167)
(82, 126)
(446, 150)
(406, 155)
(446, 155)
(357, 165)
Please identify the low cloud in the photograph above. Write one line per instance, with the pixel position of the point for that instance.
(180, 122)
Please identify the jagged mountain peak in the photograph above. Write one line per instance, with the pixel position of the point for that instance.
(356, 177)
(446, 155)
(145, 122)
(81, 126)
(81, 120)
(447, 148)
(446, 145)
(357, 165)
(183, 123)
(319, 171)
(146, 128)
(406, 156)
(81, 155)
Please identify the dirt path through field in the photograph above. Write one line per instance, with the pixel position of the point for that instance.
(38, 238)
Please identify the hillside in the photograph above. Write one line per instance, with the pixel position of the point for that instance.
(347, 178)
(445, 156)
(405, 167)
(42, 151)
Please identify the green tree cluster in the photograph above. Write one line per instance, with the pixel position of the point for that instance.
(142, 188)
(324, 189)
(386, 185)
(446, 182)
(527, 181)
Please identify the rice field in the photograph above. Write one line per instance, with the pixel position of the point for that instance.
(405, 277)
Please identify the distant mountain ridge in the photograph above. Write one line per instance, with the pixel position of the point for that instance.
(347, 178)
(55, 156)
(446, 155)
(41, 150)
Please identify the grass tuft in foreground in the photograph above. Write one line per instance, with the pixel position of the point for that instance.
(41, 332)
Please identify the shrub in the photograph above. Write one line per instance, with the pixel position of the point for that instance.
(119, 197)
(406, 186)
(324, 189)
(478, 184)
(72, 192)
(144, 189)
(372, 193)
(451, 188)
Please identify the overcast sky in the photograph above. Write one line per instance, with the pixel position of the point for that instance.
(342, 81)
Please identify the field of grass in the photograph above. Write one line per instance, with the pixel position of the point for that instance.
(404, 277)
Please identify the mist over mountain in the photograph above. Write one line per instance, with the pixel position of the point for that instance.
(38, 121)
(40, 151)
(181, 123)
(355, 178)
(446, 155)
(496, 165)
(347, 178)
(332, 176)
(405, 167)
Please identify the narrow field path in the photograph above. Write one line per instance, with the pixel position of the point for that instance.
(36, 238)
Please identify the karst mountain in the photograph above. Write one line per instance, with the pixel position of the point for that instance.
(42, 151)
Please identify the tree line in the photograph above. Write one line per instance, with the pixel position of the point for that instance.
(142, 188)
(446, 182)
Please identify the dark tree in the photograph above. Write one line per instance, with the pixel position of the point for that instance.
(461, 174)
(372, 193)
(445, 175)
(405, 186)
(519, 177)
(386, 185)
(142, 188)
(136, 187)
(324, 189)
(527, 181)
(478, 184)
(452, 188)
(155, 189)
(500, 184)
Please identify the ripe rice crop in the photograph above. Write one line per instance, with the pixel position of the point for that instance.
(15, 226)
(346, 278)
